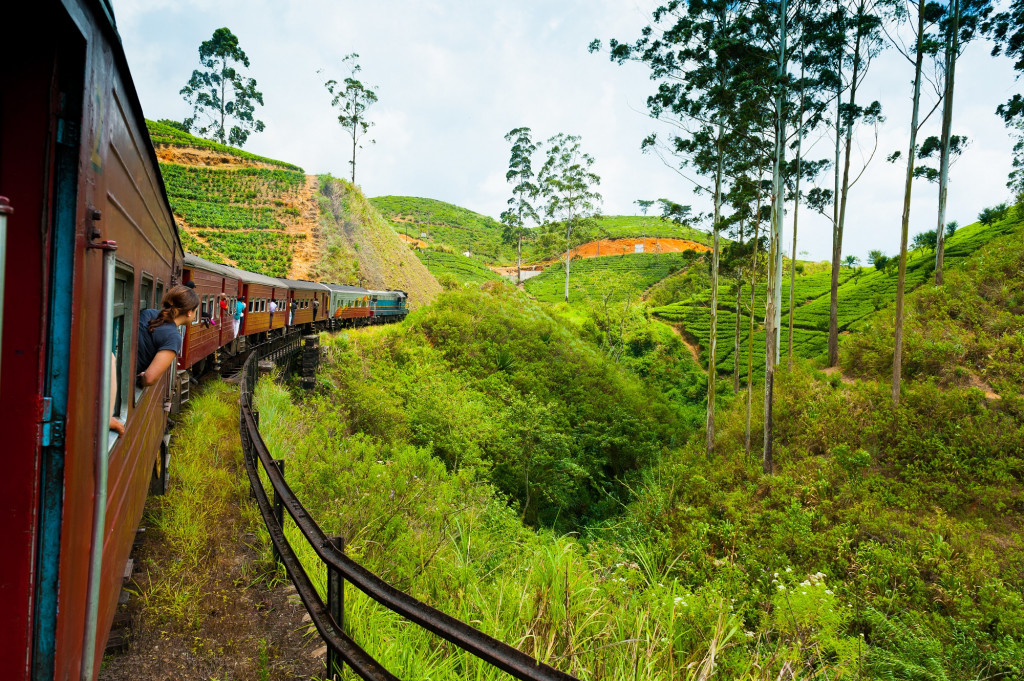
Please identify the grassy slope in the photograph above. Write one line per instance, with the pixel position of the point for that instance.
(619, 226)
(163, 134)
(590, 279)
(885, 538)
(455, 267)
(359, 247)
(446, 225)
(861, 294)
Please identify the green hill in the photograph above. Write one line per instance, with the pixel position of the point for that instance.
(617, 276)
(455, 267)
(862, 293)
(445, 224)
(620, 226)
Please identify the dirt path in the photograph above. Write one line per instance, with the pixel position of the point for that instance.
(229, 615)
(195, 156)
(830, 371)
(305, 252)
(692, 347)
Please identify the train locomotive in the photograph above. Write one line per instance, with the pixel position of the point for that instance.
(88, 241)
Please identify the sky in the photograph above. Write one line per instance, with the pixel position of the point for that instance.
(454, 76)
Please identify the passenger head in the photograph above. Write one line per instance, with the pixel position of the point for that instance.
(178, 301)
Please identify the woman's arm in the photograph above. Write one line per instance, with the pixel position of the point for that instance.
(115, 424)
(160, 364)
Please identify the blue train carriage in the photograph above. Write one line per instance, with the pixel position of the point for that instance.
(388, 306)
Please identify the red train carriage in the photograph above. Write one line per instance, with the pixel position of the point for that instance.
(311, 299)
(212, 326)
(258, 290)
(90, 242)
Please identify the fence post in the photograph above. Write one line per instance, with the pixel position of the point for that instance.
(278, 507)
(336, 606)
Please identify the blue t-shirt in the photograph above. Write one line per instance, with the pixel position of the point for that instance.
(239, 310)
(163, 337)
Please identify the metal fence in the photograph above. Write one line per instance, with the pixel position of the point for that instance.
(328, 617)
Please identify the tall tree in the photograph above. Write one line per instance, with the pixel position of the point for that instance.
(1007, 30)
(524, 192)
(352, 98)
(706, 66)
(922, 15)
(220, 95)
(856, 27)
(960, 24)
(568, 184)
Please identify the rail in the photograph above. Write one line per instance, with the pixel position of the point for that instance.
(326, 617)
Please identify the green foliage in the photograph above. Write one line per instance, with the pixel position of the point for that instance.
(620, 226)
(268, 253)
(460, 229)
(617, 276)
(163, 133)
(462, 269)
(965, 330)
(861, 295)
(489, 381)
(994, 214)
(208, 89)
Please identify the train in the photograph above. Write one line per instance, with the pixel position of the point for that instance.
(88, 240)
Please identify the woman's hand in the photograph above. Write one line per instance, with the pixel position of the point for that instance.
(117, 426)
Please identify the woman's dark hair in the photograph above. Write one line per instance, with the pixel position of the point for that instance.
(178, 300)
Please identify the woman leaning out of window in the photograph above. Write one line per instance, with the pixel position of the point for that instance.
(159, 340)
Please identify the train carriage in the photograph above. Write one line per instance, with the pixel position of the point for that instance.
(212, 327)
(388, 305)
(90, 241)
(349, 304)
(258, 290)
(311, 301)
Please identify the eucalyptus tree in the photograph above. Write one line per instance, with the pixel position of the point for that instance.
(1007, 30)
(921, 16)
(852, 37)
(962, 22)
(706, 65)
(352, 98)
(524, 193)
(568, 186)
(220, 95)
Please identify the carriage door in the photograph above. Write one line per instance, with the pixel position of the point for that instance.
(66, 117)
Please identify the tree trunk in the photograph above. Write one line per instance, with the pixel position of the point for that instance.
(796, 214)
(753, 301)
(774, 292)
(223, 92)
(736, 346)
(897, 358)
(519, 261)
(568, 234)
(354, 137)
(837, 244)
(952, 45)
(713, 342)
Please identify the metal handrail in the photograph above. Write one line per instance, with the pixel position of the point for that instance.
(490, 650)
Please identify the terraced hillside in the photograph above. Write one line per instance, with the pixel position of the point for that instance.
(617, 276)
(862, 293)
(444, 224)
(267, 216)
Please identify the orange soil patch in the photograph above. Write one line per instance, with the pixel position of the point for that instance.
(191, 156)
(411, 241)
(984, 387)
(596, 249)
(836, 370)
(305, 252)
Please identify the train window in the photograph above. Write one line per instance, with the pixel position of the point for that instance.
(263, 304)
(122, 342)
(146, 293)
(159, 298)
(252, 305)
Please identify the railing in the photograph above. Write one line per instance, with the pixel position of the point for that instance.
(327, 618)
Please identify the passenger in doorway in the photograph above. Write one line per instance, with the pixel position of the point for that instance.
(291, 313)
(316, 308)
(191, 284)
(273, 308)
(236, 316)
(159, 339)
